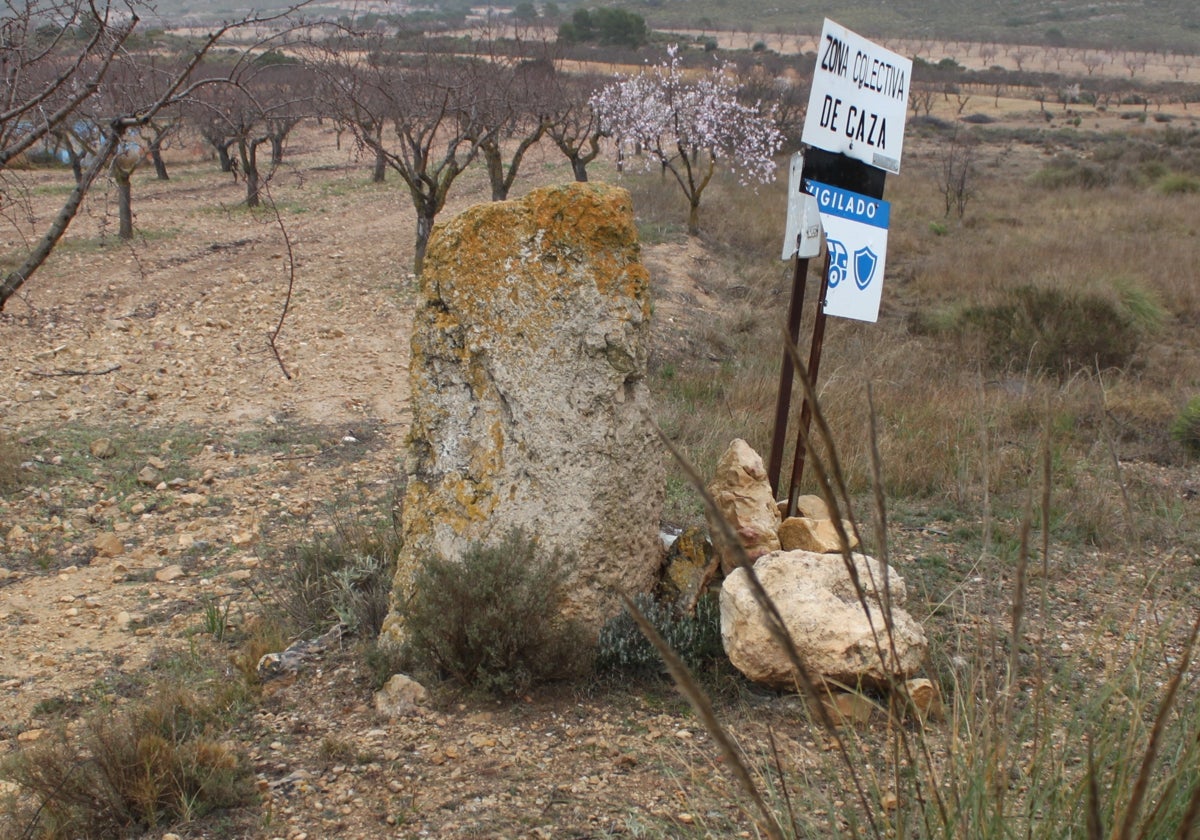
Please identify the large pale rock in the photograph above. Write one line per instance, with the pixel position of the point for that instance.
(743, 494)
(829, 628)
(529, 405)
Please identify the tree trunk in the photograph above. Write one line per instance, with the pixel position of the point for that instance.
(424, 228)
(223, 157)
(693, 223)
(495, 171)
(248, 151)
(122, 173)
(160, 167)
(76, 166)
(379, 173)
(579, 167)
(380, 158)
(124, 203)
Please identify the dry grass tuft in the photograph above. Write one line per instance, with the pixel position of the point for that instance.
(11, 456)
(160, 762)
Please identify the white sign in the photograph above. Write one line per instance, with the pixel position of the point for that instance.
(859, 99)
(802, 236)
(856, 231)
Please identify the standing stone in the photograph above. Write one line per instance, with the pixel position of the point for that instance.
(529, 400)
(743, 494)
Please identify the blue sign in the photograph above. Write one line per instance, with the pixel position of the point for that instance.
(856, 230)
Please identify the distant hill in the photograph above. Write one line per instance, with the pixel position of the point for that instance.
(1113, 24)
(1119, 24)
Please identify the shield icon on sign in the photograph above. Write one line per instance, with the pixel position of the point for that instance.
(865, 262)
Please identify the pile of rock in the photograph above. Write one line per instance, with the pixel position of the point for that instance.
(843, 610)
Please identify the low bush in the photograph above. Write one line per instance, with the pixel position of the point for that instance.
(342, 576)
(623, 647)
(1055, 331)
(1066, 171)
(492, 619)
(1178, 184)
(10, 465)
(156, 764)
(1186, 427)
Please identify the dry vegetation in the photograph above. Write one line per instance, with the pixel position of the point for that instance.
(1032, 382)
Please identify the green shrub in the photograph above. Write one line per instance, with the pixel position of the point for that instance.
(695, 638)
(153, 765)
(1178, 184)
(1055, 331)
(343, 576)
(1066, 171)
(491, 619)
(1186, 428)
(10, 465)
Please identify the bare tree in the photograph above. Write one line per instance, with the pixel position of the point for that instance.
(431, 104)
(572, 123)
(515, 119)
(56, 55)
(922, 97)
(159, 132)
(957, 171)
(1092, 63)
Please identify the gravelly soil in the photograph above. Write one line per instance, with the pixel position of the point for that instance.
(161, 348)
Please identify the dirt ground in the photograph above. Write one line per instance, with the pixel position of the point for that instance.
(110, 555)
(160, 347)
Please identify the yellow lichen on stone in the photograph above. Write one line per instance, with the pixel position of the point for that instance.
(528, 252)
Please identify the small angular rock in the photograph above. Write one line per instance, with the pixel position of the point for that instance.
(169, 573)
(108, 545)
(400, 696)
(102, 448)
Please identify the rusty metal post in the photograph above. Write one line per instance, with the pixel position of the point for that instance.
(783, 403)
(814, 365)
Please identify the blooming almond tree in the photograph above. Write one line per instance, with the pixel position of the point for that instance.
(689, 126)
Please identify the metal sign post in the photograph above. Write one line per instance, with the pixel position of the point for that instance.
(854, 129)
(783, 403)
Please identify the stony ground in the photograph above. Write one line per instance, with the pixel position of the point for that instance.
(167, 452)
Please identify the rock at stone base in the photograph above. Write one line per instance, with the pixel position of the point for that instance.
(400, 696)
(686, 566)
(529, 401)
(829, 628)
(847, 707)
(743, 495)
(924, 698)
(799, 533)
(102, 448)
(813, 507)
(108, 545)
